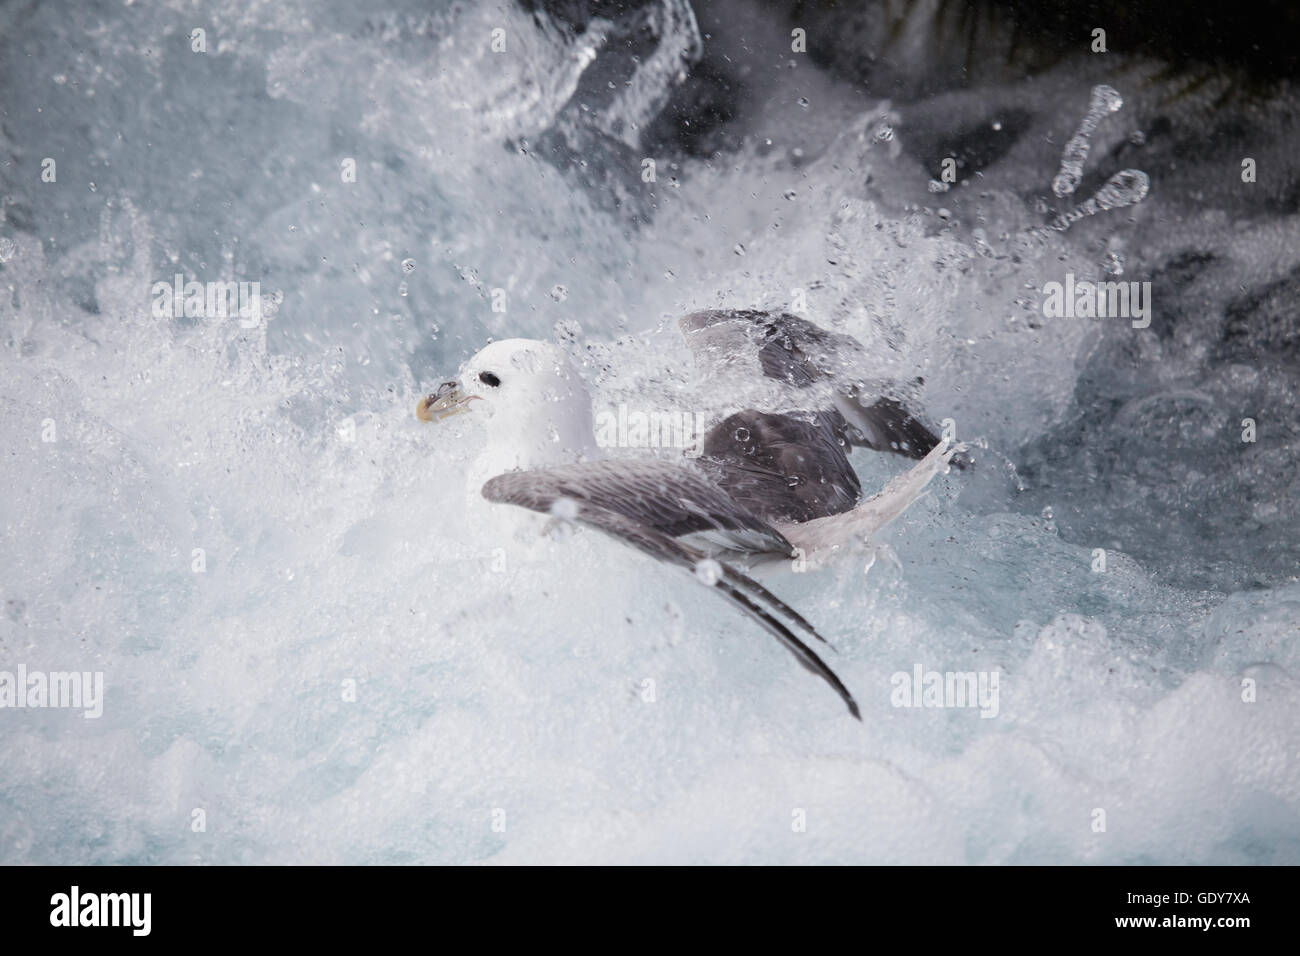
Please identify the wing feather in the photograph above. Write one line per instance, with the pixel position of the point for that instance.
(673, 499)
(825, 364)
(666, 500)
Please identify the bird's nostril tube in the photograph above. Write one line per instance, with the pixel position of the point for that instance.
(444, 388)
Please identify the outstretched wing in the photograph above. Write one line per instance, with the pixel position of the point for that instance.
(650, 505)
(673, 499)
(789, 349)
(805, 356)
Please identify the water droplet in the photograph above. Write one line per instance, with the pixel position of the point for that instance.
(559, 293)
(564, 509)
(789, 194)
(408, 266)
(1104, 100)
(803, 102)
(567, 330)
(741, 435)
(8, 248)
(937, 187)
(402, 289)
(739, 249)
(708, 571)
(1126, 188)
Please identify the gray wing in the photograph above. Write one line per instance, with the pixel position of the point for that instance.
(649, 505)
(803, 355)
(784, 468)
(789, 349)
(673, 499)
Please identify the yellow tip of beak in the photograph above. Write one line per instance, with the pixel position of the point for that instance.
(436, 407)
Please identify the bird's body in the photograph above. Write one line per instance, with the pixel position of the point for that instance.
(767, 484)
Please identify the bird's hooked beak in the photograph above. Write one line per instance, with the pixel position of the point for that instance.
(450, 399)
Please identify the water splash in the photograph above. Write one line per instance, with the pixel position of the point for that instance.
(644, 95)
(1105, 100)
(1128, 187)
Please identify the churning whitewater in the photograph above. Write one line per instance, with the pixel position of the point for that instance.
(321, 643)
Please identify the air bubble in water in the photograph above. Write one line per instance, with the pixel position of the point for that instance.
(1126, 188)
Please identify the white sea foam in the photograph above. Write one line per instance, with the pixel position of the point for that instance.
(356, 672)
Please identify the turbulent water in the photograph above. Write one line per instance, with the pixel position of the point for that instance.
(311, 655)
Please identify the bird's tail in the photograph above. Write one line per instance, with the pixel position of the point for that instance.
(860, 524)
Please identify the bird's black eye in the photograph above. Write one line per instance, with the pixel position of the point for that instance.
(488, 379)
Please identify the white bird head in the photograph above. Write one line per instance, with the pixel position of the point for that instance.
(529, 400)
